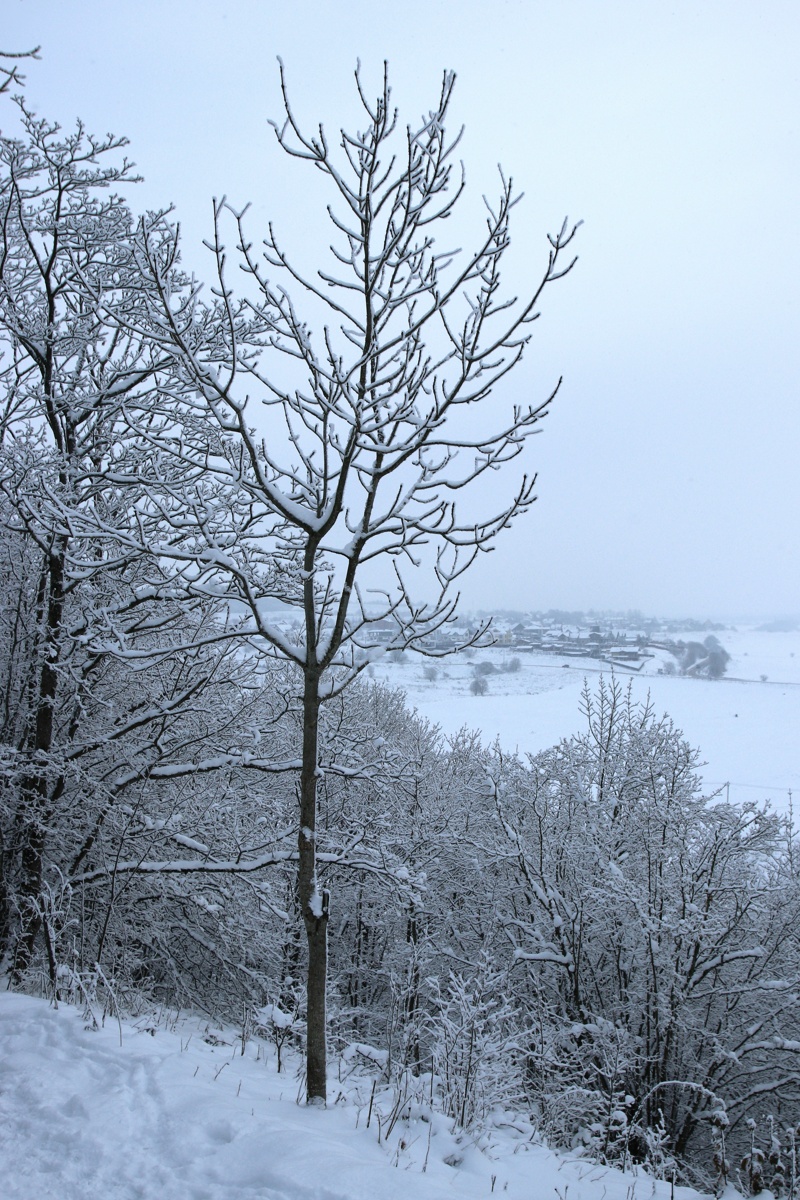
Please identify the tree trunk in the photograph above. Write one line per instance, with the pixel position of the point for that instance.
(5, 903)
(35, 788)
(314, 902)
(412, 999)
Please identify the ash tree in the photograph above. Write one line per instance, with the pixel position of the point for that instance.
(319, 428)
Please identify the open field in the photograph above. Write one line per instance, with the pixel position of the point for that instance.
(747, 730)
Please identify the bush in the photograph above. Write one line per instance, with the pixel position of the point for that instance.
(631, 884)
(479, 686)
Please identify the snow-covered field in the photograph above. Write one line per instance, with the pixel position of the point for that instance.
(137, 1111)
(747, 730)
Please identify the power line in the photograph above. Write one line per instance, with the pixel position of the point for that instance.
(758, 787)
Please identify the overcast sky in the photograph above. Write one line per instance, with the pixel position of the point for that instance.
(668, 470)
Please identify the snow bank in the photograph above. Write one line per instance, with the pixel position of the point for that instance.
(130, 1111)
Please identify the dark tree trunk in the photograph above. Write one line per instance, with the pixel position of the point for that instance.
(314, 902)
(35, 787)
(5, 902)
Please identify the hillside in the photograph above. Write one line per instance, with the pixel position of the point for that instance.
(171, 1110)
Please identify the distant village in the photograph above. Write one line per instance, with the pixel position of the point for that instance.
(627, 640)
(618, 639)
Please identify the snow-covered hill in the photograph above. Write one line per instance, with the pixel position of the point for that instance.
(141, 1111)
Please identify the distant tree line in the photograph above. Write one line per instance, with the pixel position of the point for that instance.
(707, 659)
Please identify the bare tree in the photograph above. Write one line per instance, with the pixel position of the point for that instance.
(67, 263)
(292, 463)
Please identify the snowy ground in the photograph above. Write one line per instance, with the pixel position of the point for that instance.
(139, 1112)
(747, 730)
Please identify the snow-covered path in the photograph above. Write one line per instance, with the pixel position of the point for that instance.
(82, 1116)
(170, 1115)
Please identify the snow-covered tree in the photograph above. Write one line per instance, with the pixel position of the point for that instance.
(653, 928)
(64, 244)
(321, 469)
(102, 665)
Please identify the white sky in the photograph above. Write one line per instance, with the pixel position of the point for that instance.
(668, 470)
